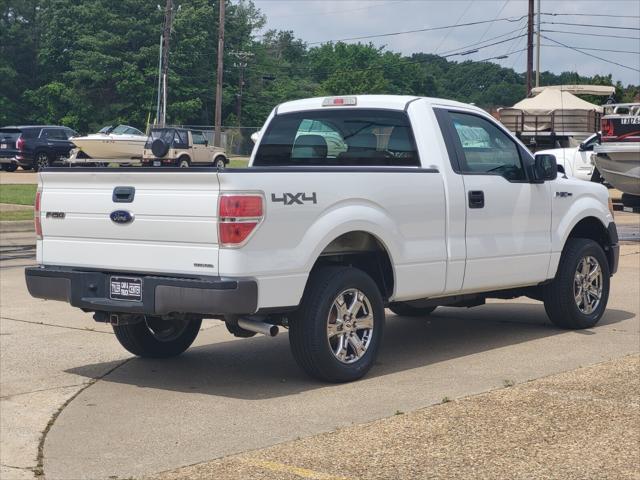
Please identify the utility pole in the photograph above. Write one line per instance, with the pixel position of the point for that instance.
(218, 116)
(166, 36)
(530, 49)
(157, 121)
(538, 49)
(241, 64)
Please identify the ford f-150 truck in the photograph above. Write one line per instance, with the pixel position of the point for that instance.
(431, 203)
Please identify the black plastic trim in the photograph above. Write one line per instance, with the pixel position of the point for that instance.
(88, 289)
(330, 169)
(614, 248)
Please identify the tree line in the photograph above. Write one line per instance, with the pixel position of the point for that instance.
(89, 63)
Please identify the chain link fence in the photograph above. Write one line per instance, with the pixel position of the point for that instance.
(235, 140)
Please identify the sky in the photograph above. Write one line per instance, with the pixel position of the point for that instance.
(322, 20)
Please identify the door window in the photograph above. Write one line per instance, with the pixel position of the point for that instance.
(54, 133)
(198, 138)
(486, 149)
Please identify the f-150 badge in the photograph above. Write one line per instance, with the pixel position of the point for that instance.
(295, 198)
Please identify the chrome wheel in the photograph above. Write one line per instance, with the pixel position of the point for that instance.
(42, 160)
(587, 285)
(350, 325)
(184, 164)
(165, 330)
(220, 163)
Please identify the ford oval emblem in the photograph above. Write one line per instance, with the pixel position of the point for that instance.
(121, 216)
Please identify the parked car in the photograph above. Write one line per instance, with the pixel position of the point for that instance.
(577, 161)
(34, 146)
(179, 147)
(434, 203)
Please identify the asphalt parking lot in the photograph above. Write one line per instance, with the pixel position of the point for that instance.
(76, 405)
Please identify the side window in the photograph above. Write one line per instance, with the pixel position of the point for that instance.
(486, 149)
(69, 133)
(53, 133)
(198, 138)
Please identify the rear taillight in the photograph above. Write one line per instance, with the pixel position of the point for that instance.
(36, 215)
(239, 215)
(20, 143)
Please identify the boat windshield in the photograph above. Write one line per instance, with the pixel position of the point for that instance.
(125, 130)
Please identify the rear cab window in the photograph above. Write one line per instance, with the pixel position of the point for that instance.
(345, 137)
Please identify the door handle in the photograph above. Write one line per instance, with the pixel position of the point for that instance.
(123, 194)
(476, 199)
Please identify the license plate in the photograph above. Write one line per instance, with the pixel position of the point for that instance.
(156, 163)
(3, 145)
(126, 288)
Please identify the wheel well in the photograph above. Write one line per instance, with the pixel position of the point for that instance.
(593, 229)
(365, 252)
(184, 156)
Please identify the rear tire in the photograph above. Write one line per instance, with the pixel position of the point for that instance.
(323, 333)
(183, 162)
(9, 167)
(156, 338)
(577, 298)
(407, 310)
(220, 162)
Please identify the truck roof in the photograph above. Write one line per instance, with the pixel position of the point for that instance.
(392, 102)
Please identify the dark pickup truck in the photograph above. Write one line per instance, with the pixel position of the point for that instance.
(33, 147)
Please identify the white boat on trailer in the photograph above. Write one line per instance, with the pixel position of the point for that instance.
(122, 143)
(617, 156)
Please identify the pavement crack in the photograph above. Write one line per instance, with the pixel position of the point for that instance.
(8, 397)
(54, 325)
(28, 469)
(39, 468)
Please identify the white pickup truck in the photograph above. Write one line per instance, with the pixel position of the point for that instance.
(576, 161)
(432, 203)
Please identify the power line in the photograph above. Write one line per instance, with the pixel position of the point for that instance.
(589, 15)
(419, 30)
(500, 57)
(597, 49)
(466, 47)
(590, 25)
(464, 12)
(592, 34)
(591, 55)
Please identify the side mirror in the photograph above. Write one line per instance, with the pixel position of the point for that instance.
(206, 143)
(545, 168)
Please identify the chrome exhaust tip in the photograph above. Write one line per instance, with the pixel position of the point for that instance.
(258, 327)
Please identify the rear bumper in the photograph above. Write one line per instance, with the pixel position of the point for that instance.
(161, 295)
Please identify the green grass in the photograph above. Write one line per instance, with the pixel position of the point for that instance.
(238, 163)
(16, 215)
(18, 194)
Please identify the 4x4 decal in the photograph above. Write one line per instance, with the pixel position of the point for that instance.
(295, 198)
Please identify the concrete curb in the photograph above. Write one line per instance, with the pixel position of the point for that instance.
(16, 226)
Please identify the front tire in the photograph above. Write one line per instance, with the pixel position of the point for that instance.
(336, 333)
(40, 161)
(577, 298)
(153, 337)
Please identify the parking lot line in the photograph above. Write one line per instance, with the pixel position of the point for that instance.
(278, 467)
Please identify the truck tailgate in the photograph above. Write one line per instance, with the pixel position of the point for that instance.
(174, 220)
